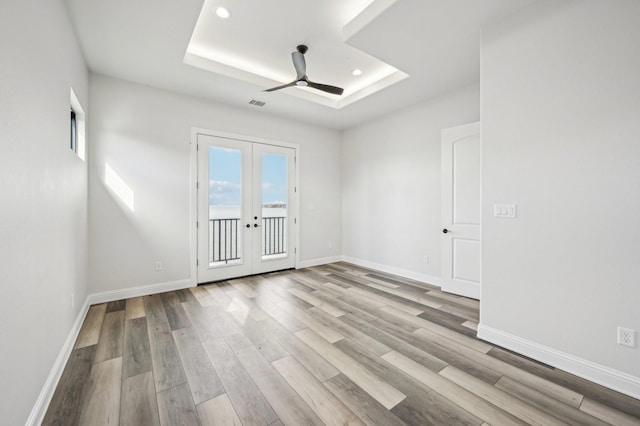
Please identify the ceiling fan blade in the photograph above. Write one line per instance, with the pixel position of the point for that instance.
(300, 64)
(326, 88)
(293, 83)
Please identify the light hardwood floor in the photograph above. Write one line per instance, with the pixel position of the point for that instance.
(328, 345)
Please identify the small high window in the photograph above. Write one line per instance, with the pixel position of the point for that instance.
(77, 131)
(74, 132)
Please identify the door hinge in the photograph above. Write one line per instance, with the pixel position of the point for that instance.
(295, 250)
(197, 225)
(295, 220)
(197, 262)
(197, 185)
(295, 189)
(197, 147)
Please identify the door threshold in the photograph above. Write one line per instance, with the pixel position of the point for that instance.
(245, 276)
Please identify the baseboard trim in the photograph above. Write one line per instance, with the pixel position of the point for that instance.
(44, 399)
(143, 290)
(318, 261)
(427, 279)
(597, 373)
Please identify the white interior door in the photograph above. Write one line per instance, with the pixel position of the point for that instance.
(461, 162)
(245, 196)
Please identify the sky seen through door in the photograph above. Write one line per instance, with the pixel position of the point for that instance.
(225, 177)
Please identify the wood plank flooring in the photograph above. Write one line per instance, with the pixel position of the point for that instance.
(329, 345)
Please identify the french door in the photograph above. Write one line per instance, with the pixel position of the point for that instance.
(245, 196)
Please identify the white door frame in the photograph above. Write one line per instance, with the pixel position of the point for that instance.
(193, 193)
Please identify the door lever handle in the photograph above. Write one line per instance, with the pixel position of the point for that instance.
(445, 230)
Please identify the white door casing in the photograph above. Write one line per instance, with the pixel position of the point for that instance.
(461, 195)
(248, 230)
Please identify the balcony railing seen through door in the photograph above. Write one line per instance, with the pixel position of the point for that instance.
(226, 242)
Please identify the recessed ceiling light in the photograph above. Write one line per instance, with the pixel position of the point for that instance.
(223, 12)
(357, 72)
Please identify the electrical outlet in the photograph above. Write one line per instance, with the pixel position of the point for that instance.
(158, 266)
(626, 337)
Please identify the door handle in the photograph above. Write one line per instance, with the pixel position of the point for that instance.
(248, 225)
(255, 225)
(445, 230)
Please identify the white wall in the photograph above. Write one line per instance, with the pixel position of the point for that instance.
(561, 139)
(391, 185)
(43, 188)
(144, 134)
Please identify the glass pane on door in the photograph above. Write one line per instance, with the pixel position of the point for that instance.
(274, 206)
(225, 206)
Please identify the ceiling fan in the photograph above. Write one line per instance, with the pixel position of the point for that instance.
(301, 77)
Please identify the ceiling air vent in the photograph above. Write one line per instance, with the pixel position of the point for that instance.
(257, 103)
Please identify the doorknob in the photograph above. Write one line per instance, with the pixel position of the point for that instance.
(255, 225)
(445, 230)
(248, 225)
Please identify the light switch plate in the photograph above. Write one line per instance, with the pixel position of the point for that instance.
(505, 210)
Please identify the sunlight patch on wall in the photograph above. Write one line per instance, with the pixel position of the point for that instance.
(118, 186)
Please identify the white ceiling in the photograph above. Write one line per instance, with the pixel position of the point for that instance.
(435, 42)
(231, 47)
